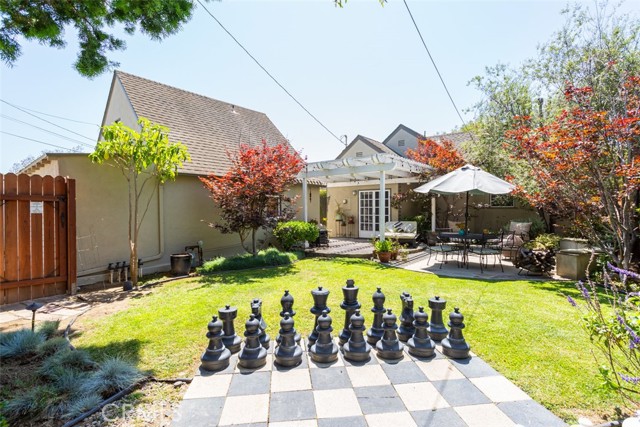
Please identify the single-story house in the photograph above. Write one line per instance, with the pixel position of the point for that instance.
(357, 197)
(181, 212)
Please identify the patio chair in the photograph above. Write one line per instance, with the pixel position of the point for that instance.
(444, 248)
(490, 245)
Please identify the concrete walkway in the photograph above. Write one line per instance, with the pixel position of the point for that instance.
(435, 392)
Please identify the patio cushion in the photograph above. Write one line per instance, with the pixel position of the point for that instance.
(520, 228)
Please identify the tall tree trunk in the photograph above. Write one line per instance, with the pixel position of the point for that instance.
(253, 242)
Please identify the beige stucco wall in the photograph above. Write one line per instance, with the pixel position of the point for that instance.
(492, 218)
(313, 201)
(410, 141)
(179, 215)
(358, 147)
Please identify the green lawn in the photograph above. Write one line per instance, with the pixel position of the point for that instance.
(525, 329)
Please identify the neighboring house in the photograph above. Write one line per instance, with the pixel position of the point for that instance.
(181, 212)
(358, 201)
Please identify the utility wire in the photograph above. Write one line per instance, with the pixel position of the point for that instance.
(46, 130)
(39, 142)
(58, 117)
(268, 73)
(44, 120)
(434, 63)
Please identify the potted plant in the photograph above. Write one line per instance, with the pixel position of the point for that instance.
(395, 248)
(383, 249)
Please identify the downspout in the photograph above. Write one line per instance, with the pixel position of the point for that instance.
(160, 238)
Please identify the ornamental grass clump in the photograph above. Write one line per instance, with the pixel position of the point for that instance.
(48, 328)
(19, 343)
(52, 346)
(114, 374)
(33, 402)
(612, 319)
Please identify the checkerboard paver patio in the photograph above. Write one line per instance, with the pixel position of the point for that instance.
(434, 392)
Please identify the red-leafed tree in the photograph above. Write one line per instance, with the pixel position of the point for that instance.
(586, 165)
(443, 157)
(251, 194)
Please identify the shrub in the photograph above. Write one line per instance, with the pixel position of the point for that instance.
(267, 258)
(292, 232)
(614, 329)
(48, 328)
(114, 374)
(19, 343)
(544, 242)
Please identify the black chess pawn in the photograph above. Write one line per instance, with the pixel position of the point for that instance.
(230, 339)
(389, 347)
(216, 356)
(324, 350)
(437, 330)
(253, 354)
(356, 348)
(288, 353)
(320, 297)
(287, 307)
(375, 332)
(420, 344)
(349, 305)
(406, 329)
(256, 309)
(454, 345)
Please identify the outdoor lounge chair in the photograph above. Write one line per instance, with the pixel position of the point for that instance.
(402, 231)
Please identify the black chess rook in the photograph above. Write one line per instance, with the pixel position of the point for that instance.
(229, 338)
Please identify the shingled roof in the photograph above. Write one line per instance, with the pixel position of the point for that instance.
(378, 147)
(208, 127)
(457, 138)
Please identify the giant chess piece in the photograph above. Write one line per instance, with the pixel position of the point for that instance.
(406, 329)
(454, 344)
(437, 330)
(420, 344)
(253, 354)
(324, 350)
(287, 307)
(356, 348)
(375, 332)
(256, 309)
(389, 347)
(320, 297)
(216, 356)
(349, 305)
(288, 353)
(230, 339)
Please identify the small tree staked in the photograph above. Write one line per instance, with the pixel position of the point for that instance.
(250, 193)
(145, 158)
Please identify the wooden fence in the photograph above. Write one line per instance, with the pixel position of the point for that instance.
(37, 237)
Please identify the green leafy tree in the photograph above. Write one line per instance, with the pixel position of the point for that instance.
(46, 21)
(146, 160)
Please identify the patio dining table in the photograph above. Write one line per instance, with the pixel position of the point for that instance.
(465, 240)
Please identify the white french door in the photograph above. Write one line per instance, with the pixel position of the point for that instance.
(369, 212)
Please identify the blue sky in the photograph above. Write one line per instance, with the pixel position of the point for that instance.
(360, 69)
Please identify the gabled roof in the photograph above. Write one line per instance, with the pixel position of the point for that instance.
(378, 147)
(401, 127)
(457, 138)
(208, 127)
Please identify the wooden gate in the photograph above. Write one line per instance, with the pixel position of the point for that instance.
(37, 237)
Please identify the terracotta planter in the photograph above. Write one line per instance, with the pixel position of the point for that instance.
(384, 257)
(394, 255)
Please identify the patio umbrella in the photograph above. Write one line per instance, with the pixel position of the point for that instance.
(468, 179)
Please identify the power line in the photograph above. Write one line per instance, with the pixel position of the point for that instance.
(44, 120)
(268, 73)
(434, 63)
(39, 142)
(46, 130)
(59, 117)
